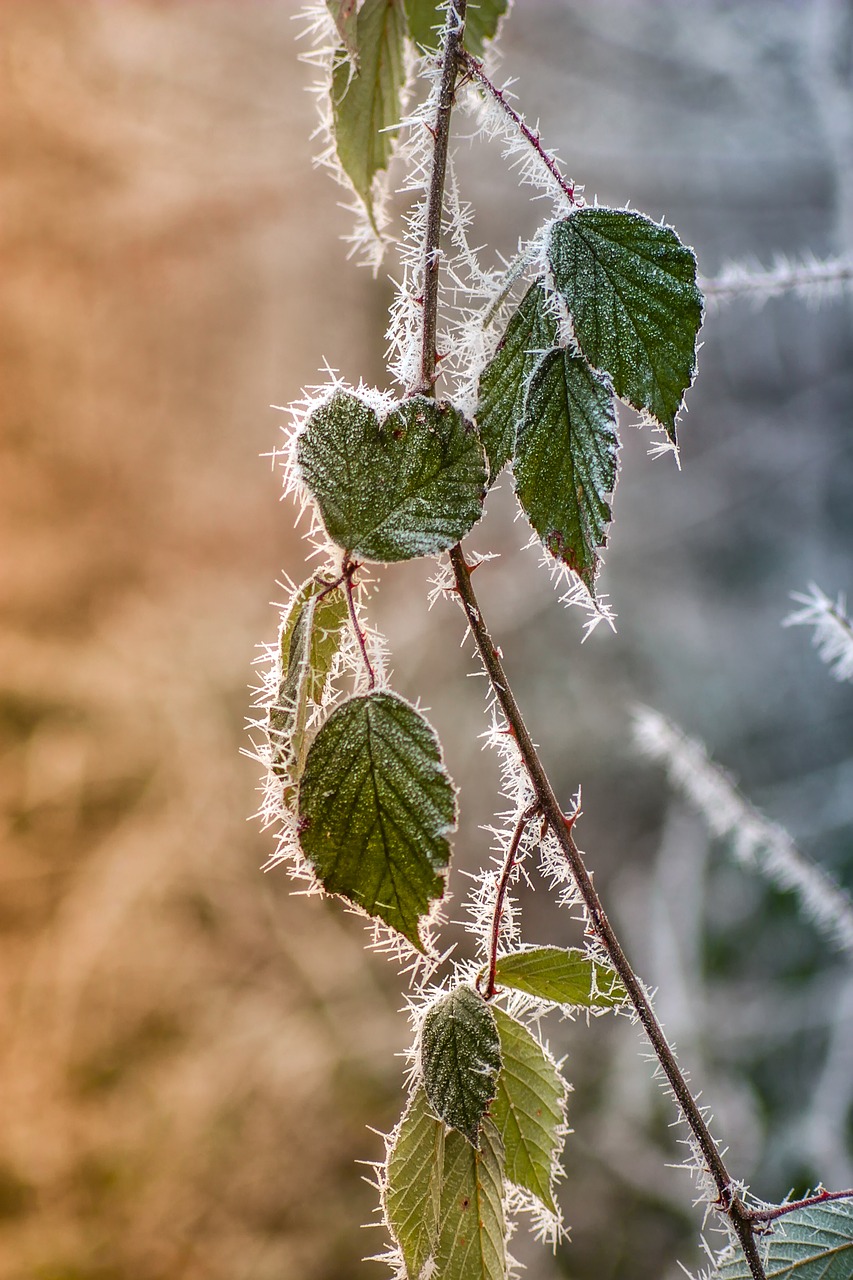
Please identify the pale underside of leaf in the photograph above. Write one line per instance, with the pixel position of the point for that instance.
(412, 1199)
(460, 1060)
(529, 1109)
(472, 1243)
(427, 18)
(807, 1244)
(309, 639)
(366, 98)
(345, 18)
(630, 286)
(565, 459)
(561, 975)
(531, 331)
(375, 808)
(411, 485)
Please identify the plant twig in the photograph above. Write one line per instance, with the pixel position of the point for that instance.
(450, 54)
(728, 1200)
(779, 1210)
(475, 68)
(350, 567)
(503, 885)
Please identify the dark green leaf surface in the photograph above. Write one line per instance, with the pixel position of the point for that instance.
(366, 98)
(531, 332)
(375, 808)
(561, 975)
(310, 637)
(806, 1244)
(426, 22)
(630, 285)
(412, 485)
(460, 1060)
(529, 1109)
(472, 1244)
(415, 1169)
(565, 459)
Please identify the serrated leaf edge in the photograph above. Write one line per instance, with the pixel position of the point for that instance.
(385, 936)
(647, 418)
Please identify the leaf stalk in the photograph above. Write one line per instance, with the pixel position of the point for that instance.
(503, 885)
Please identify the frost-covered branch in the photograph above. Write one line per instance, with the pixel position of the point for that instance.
(833, 629)
(755, 841)
(812, 279)
(709, 1157)
(530, 136)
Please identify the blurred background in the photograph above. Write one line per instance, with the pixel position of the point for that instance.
(191, 1055)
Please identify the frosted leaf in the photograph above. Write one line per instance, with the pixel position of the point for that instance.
(815, 1243)
(529, 1110)
(375, 808)
(560, 975)
(412, 1192)
(309, 639)
(531, 331)
(460, 1059)
(472, 1244)
(630, 286)
(366, 94)
(565, 459)
(411, 484)
(427, 18)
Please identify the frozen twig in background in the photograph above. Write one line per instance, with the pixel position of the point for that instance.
(811, 280)
(755, 840)
(833, 630)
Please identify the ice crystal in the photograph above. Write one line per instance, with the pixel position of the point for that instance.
(833, 629)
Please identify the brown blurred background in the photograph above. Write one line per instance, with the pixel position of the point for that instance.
(190, 1055)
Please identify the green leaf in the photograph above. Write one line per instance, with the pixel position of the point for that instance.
(366, 99)
(427, 18)
(529, 1109)
(532, 330)
(565, 459)
(344, 15)
(411, 485)
(472, 1244)
(412, 1197)
(460, 1060)
(561, 975)
(310, 637)
(806, 1244)
(630, 286)
(375, 807)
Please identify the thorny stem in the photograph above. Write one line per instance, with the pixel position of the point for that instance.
(503, 884)
(450, 54)
(475, 68)
(779, 1210)
(349, 570)
(728, 1200)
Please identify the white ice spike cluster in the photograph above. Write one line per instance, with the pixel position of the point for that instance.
(833, 630)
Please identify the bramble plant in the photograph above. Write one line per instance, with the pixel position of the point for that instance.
(522, 369)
